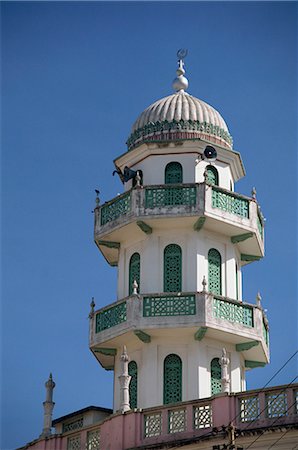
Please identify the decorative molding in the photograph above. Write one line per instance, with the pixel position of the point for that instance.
(241, 237)
(250, 258)
(144, 227)
(109, 244)
(199, 223)
(253, 364)
(144, 337)
(106, 351)
(246, 346)
(200, 333)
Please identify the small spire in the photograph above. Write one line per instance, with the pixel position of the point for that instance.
(181, 82)
(258, 299)
(135, 287)
(254, 193)
(204, 283)
(92, 305)
(97, 199)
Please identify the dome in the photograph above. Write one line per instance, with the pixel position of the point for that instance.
(179, 116)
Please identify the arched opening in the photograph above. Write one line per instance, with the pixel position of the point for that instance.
(214, 272)
(172, 279)
(215, 370)
(134, 272)
(172, 379)
(173, 173)
(212, 175)
(133, 385)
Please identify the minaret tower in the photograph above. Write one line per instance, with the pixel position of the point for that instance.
(179, 236)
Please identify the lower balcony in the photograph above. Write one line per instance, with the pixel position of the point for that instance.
(196, 314)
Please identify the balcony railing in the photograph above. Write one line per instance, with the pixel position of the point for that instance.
(172, 195)
(115, 208)
(165, 305)
(110, 317)
(230, 202)
(233, 311)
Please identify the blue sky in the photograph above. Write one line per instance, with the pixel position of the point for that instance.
(75, 76)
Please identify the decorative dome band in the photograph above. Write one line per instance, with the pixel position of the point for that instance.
(176, 130)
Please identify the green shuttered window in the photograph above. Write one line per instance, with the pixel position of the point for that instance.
(212, 175)
(133, 385)
(134, 271)
(172, 268)
(214, 271)
(172, 384)
(215, 376)
(173, 173)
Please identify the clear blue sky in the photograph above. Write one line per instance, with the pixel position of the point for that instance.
(75, 76)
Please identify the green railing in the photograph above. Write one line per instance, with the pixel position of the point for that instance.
(260, 226)
(266, 333)
(233, 312)
(170, 196)
(116, 208)
(169, 305)
(111, 317)
(229, 202)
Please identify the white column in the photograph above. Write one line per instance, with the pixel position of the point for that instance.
(225, 378)
(124, 380)
(48, 406)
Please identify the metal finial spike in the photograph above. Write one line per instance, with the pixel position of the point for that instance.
(258, 299)
(204, 283)
(254, 193)
(97, 200)
(181, 82)
(92, 305)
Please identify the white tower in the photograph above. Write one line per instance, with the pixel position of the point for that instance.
(179, 236)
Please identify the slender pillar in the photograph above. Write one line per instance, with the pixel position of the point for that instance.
(124, 380)
(225, 378)
(48, 406)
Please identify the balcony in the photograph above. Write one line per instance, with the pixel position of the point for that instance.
(197, 205)
(198, 314)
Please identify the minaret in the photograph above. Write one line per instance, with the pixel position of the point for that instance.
(48, 406)
(180, 237)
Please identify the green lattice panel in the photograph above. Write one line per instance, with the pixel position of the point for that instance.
(249, 408)
(133, 385)
(202, 416)
(276, 405)
(184, 305)
(230, 203)
(212, 175)
(170, 196)
(172, 268)
(111, 317)
(173, 173)
(215, 376)
(214, 271)
(266, 333)
(260, 226)
(119, 207)
(233, 312)
(152, 425)
(172, 379)
(134, 271)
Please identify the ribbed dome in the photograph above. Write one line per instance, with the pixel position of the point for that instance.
(179, 116)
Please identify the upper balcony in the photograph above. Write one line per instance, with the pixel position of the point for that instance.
(147, 316)
(149, 208)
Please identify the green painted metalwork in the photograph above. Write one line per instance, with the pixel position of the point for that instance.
(276, 405)
(199, 223)
(106, 351)
(266, 333)
(166, 306)
(134, 272)
(241, 237)
(170, 196)
(233, 312)
(133, 385)
(230, 202)
(172, 382)
(250, 258)
(249, 409)
(144, 227)
(215, 370)
(212, 175)
(172, 275)
(152, 131)
(200, 333)
(214, 271)
(260, 225)
(253, 364)
(109, 244)
(173, 173)
(144, 337)
(246, 346)
(115, 208)
(110, 317)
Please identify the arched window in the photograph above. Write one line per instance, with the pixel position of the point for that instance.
(173, 173)
(215, 370)
(172, 277)
(134, 271)
(133, 385)
(172, 379)
(212, 175)
(214, 271)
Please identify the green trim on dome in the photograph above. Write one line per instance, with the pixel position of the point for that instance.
(191, 126)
